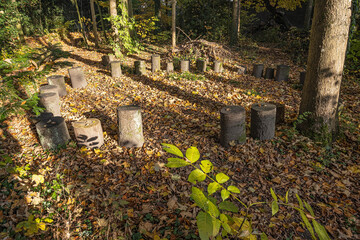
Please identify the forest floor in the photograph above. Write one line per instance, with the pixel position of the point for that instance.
(128, 193)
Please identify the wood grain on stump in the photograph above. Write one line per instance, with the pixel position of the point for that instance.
(52, 132)
(155, 63)
(282, 73)
(280, 112)
(49, 89)
(130, 126)
(242, 70)
(51, 102)
(263, 117)
(107, 59)
(184, 65)
(139, 67)
(77, 77)
(169, 67)
(201, 65)
(269, 73)
(218, 66)
(302, 77)
(115, 69)
(258, 70)
(59, 81)
(232, 122)
(89, 133)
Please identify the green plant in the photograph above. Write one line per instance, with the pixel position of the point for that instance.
(186, 75)
(146, 27)
(221, 219)
(32, 226)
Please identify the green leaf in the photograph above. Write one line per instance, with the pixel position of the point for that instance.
(192, 154)
(308, 207)
(307, 224)
(213, 210)
(226, 227)
(223, 217)
(263, 236)
(225, 194)
(213, 187)
(228, 206)
(172, 149)
(300, 202)
(320, 230)
(233, 189)
(273, 194)
(216, 226)
(274, 207)
(212, 199)
(205, 225)
(196, 175)
(176, 162)
(221, 177)
(287, 197)
(206, 166)
(199, 198)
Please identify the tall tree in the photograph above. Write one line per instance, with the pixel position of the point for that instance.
(113, 14)
(308, 14)
(173, 24)
(93, 16)
(235, 22)
(328, 41)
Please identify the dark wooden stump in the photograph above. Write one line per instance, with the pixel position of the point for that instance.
(184, 65)
(89, 133)
(52, 132)
(282, 73)
(201, 65)
(140, 67)
(51, 102)
(280, 112)
(269, 73)
(242, 70)
(59, 81)
(302, 77)
(49, 89)
(169, 67)
(115, 69)
(263, 117)
(107, 59)
(155, 63)
(232, 122)
(218, 66)
(77, 77)
(130, 126)
(258, 70)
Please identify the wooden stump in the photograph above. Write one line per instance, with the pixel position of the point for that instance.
(52, 132)
(282, 73)
(155, 63)
(49, 89)
(269, 73)
(232, 122)
(201, 65)
(280, 112)
(184, 65)
(242, 70)
(89, 133)
(107, 59)
(59, 81)
(51, 102)
(140, 67)
(115, 69)
(130, 126)
(263, 117)
(169, 67)
(258, 70)
(302, 77)
(77, 77)
(218, 66)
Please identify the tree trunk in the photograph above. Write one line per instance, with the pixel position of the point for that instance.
(278, 16)
(131, 15)
(80, 22)
(234, 25)
(238, 18)
(93, 16)
(308, 14)
(320, 95)
(157, 8)
(113, 14)
(102, 21)
(173, 24)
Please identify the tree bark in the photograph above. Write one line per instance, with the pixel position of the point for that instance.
(93, 16)
(328, 41)
(279, 16)
(102, 21)
(131, 15)
(113, 14)
(308, 14)
(234, 25)
(173, 24)
(80, 22)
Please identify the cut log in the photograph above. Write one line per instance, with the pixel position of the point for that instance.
(49, 89)
(258, 70)
(59, 81)
(140, 67)
(130, 126)
(169, 67)
(155, 63)
(77, 77)
(282, 73)
(115, 69)
(89, 133)
(52, 132)
(51, 102)
(269, 73)
(232, 122)
(242, 70)
(280, 112)
(263, 117)
(218, 66)
(184, 65)
(201, 65)
(107, 59)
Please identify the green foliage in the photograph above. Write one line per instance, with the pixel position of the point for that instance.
(145, 28)
(187, 75)
(221, 219)
(9, 18)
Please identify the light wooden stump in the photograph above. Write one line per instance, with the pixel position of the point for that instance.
(263, 117)
(140, 67)
(201, 65)
(282, 73)
(52, 132)
(115, 69)
(184, 65)
(242, 70)
(49, 89)
(89, 133)
(59, 81)
(155, 63)
(77, 77)
(232, 122)
(218, 66)
(169, 67)
(269, 73)
(130, 126)
(258, 70)
(107, 59)
(51, 102)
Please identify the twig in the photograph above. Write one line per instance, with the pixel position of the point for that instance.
(184, 34)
